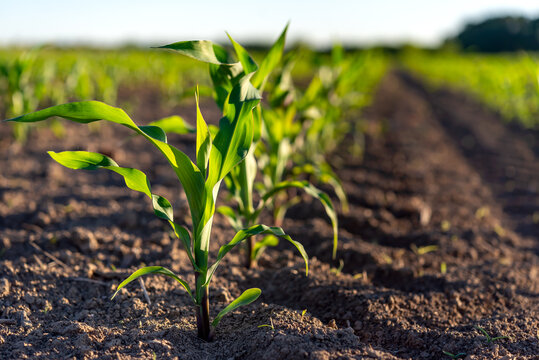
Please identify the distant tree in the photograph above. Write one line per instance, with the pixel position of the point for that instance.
(500, 34)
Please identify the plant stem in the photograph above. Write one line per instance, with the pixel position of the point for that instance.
(250, 261)
(203, 315)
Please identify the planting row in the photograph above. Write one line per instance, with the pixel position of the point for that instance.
(508, 84)
(266, 153)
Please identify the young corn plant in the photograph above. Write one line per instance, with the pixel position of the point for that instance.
(216, 156)
(241, 180)
(488, 337)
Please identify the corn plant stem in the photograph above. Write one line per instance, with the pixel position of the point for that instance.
(203, 314)
(250, 261)
(246, 194)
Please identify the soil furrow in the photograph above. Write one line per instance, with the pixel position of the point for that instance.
(438, 240)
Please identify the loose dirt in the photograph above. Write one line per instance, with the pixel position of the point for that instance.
(441, 238)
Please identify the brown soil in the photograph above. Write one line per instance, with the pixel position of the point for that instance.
(438, 169)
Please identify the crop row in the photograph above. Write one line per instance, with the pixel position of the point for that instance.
(264, 152)
(508, 84)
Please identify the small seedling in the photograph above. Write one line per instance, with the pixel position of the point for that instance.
(422, 250)
(387, 259)
(337, 271)
(270, 325)
(499, 230)
(303, 314)
(482, 212)
(361, 275)
(47, 308)
(445, 226)
(490, 339)
(443, 267)
(454, 356)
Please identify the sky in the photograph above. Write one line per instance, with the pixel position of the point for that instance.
(154, 22)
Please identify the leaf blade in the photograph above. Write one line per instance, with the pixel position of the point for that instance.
(203, 140)
(134, 179)
(317, 194)
(89, 111)
(173, 124)
(271, 60)
(247, 297)
(252, 231)
(153, 270)
(201, 50)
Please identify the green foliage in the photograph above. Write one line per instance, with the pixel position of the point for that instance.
(38, 77)
(215, 158)
(271, 153)
(455, 356)
(506, 83)
(241, 180)
(489, 338)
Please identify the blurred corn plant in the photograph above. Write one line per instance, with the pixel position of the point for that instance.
(44, 76)
(23, 87)
(508, 83)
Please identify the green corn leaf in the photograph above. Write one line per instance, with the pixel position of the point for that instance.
(249, 65)
(332, 179)
(314, 192)
(182, 234)
(240, 183)
(204, 141)
(271, 60)
(134, 179)
(153, 270)
(202, 50)
(174, 125)
(161, 207)
(87, 161)
(90, 111)
(280, 212)
(257, 124)
(230, 214)
(268, 240)
(155, 132)
(213, 130)
(326, 175)
(252, 231)
(247, 297)
(224, 78)
(234, 139)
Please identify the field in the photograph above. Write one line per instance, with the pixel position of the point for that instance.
(437, 249)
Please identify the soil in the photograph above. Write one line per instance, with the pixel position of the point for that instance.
(441, 238)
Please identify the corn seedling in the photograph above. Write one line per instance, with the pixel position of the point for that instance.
(455, 356)
(337, 271)
(422, 250)
(240, 180)
(443, 267)
(490, 339)
(270, 325)
(216, 156)
(507, 84)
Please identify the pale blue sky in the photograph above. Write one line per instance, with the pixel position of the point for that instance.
(318, 22)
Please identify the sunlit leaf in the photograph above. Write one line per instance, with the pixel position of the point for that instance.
(153, 270)
(247, 297)
(252, 231)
